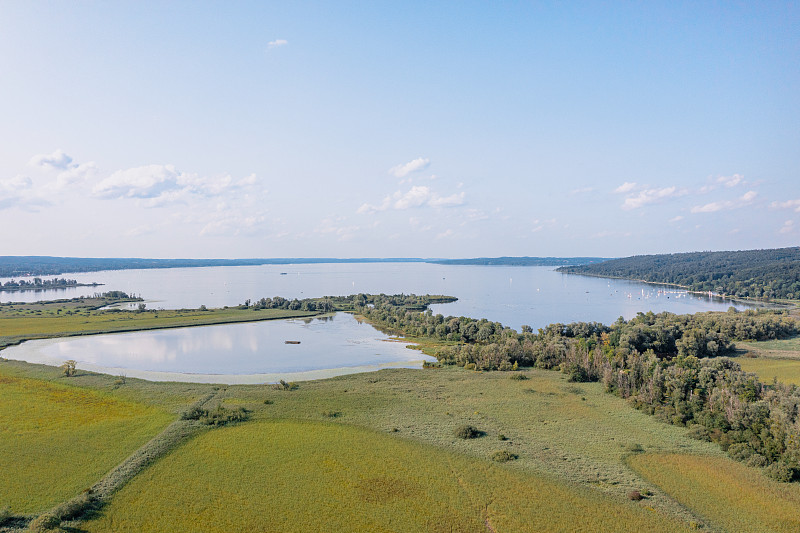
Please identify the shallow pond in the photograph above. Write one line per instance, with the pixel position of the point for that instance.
(254, 352)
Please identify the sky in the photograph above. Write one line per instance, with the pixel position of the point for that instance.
(398, 129)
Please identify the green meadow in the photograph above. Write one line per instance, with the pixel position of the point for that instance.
(775, 359)
(288, 475)
(57, 439)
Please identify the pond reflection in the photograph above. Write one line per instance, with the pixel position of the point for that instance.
(233, 353)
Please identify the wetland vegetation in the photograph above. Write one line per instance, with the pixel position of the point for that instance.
(556, 447)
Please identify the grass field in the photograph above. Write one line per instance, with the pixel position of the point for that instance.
(784, 348)
(56, 439)
(728, 494)
(62, 318)
(313, 476)
(767, 368)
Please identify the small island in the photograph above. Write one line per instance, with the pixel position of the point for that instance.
(39, 284)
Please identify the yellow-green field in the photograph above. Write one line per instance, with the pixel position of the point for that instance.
(767, 368)
(56, 440)
(314, 476)
(728, 494)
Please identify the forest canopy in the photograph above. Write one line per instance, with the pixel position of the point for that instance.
(771, 273)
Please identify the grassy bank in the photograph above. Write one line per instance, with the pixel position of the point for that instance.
(19, 322)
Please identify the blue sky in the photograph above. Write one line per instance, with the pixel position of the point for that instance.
(398, 129)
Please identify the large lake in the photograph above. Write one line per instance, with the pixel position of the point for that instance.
(256, 353)
(535, 296)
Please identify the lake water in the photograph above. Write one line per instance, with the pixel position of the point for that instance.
(535, 296)
(256, 353)
(253, 352)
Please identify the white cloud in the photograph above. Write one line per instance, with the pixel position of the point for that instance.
(157, 185)
(788, 204)
(416, 165)
(628, 186)
(581, 190)
(76, 174)
(15, 185)
(787, 227)
(57, 159)
(730, 181)
(712, 207)
(149, 181)
(676, 219)
(650, 196)
(416, 196)
(445, 234)
(276, 43)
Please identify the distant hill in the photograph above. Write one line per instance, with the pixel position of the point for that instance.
(773, 273)
(521, 261)
(11, 266)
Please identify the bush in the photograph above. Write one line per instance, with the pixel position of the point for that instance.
(502, 437)
(757, 460)
(283, 385)
(467, 432)
(470, 366)
(68, 368)
(740, 451)
(779, 471)
(44, 522)
(5, 514)
(503, 456)
(635, 495)
(634, 448)
(331, 414)
(699, 432)
(518, 377)
(217, 417)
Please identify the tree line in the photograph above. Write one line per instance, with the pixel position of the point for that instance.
(42, 284)
(771, 273)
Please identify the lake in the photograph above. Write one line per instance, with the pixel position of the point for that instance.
(514, 296)
(256, 352)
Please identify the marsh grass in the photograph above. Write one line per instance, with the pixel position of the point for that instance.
(730, 495)
(56, 440)
(331, 477)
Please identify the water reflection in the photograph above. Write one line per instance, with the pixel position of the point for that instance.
(235, 353)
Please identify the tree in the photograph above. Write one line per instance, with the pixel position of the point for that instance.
(69, 368)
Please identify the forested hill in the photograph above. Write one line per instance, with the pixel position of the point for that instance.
(521, 261)
(752, 273)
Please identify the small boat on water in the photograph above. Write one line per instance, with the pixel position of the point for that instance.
(283, 273)
(291, 342)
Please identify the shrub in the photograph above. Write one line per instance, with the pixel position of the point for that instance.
(5, 514)
(699, 432)
(467, 432)
(740, 451)
(635, 495)
(518, 377)
(502, 437)
(283, 385)
(268, 402)
(470, 366)
(44, 522)
(332, 414)
(217, 417)
(503, 456)
(779, 471)
(757, 460)
(634, 448)
(68, 368)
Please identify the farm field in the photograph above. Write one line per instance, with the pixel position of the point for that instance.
(283, 475)
(731, 496)
(56, 439)
(767, 368)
